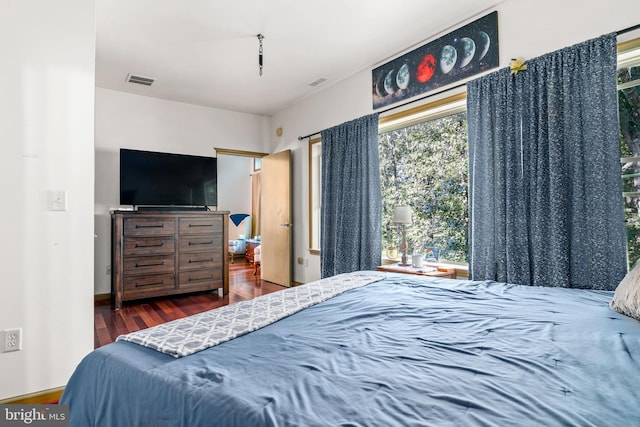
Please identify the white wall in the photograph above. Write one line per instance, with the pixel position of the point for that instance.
(526, 29)
(145, 123)
(46, 129)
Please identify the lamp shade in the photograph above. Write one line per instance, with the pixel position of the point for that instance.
(401, 215)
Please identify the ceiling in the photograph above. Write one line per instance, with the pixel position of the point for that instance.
(205, 52)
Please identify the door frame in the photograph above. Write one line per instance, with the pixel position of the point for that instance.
(257, 154)
(240, 153)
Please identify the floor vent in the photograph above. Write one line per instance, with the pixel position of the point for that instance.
(147, 81)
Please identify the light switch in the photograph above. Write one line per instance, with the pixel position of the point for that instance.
(57, 200)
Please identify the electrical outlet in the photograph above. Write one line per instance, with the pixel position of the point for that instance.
(108, 270)
(12, 340)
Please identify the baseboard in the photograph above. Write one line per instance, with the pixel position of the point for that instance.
(102, 299)
(47, 396)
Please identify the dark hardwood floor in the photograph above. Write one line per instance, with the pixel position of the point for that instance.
(136, 315)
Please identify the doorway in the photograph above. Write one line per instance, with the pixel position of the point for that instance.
(272, 218)
(238, 195)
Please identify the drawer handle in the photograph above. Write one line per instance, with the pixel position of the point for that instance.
(202, 278)
(142, 285)
(210, 242)
(200, 225)
(149, 246)
(150, 265)
(200, 260)
(150, 226)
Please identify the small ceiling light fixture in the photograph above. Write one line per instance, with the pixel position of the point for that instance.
(260, 52)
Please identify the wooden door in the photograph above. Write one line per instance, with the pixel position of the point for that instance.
(276, 222)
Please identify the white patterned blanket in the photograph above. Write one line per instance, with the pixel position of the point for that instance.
(195, 333)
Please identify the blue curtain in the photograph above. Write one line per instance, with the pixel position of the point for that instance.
(351, 199)
(544, 166)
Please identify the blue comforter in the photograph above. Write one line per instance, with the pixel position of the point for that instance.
(405, 351)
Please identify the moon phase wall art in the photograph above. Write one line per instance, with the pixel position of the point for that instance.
(458, 55)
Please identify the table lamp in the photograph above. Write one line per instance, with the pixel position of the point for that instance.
(402, 217)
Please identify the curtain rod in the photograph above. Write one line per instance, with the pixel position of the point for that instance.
(300, 138)
(627, 30)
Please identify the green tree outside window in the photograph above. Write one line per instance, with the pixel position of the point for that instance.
(425, 166)
(629, 117)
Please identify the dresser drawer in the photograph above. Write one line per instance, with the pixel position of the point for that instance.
(149, 264)
(200, 260)
(148, 245)
(198, 243)
(149, 283)
(202, 279)
(152, 226)
(194, 225)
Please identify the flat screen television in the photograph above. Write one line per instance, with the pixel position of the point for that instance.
(154, 179)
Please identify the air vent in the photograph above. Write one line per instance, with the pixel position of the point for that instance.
(317, 82)
(147, 81)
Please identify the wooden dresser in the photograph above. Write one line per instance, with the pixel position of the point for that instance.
(159, 253)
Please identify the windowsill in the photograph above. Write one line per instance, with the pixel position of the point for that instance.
(462, 270)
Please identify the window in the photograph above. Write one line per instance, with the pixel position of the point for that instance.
(629, 118)
(423, 138)
(423, 162)
(315, 189)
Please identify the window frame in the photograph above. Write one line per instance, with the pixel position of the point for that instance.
(314, 193)
(429, 111)
(434, 110)
(628, 56)
(443, 107)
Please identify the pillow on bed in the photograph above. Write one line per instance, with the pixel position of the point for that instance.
(626, 299)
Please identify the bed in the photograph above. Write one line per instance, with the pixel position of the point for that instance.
(400, 350)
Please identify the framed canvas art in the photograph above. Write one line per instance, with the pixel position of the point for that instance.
(460, 54)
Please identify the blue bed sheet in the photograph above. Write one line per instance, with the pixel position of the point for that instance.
(405, 351)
